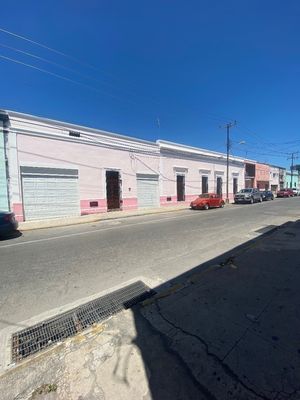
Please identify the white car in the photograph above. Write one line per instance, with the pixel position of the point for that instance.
(296, 192)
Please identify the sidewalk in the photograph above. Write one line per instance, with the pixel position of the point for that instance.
(228, 329)
(83, 219)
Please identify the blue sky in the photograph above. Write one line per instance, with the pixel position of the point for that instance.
(193, 64)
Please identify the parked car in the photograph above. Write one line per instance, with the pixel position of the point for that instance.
(296, 192)
(206, 201)
(267, 195)
(8, 223)
(285, 193)
(250, 195)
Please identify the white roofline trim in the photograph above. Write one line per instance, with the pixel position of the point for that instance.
(195, 150)
(70, 126)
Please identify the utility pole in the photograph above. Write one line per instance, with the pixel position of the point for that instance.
(228, 127)
(292, 157)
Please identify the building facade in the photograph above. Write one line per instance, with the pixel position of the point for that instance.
(274, 178)
(188, 171)
(61, 170)
(3, 167)
(250, 174)
(282, 173)
(262, 176)
(52, 169)
(292, 180)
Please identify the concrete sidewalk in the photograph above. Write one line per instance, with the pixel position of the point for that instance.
(83, 219)
(228, 329)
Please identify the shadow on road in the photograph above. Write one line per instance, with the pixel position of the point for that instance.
(229, 328)
(13, 235)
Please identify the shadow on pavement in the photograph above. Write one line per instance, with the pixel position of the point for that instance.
(13, 235)
(229, 328)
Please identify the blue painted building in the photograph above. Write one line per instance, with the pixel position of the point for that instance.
(292, 181)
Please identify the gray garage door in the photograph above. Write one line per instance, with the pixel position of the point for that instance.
(147, 191)
(49, 192)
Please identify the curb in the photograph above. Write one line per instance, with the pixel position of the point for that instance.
(55, 223)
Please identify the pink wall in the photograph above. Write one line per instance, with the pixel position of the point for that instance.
(193, 170)
(92, 163)
(262, 173)
(17, 208)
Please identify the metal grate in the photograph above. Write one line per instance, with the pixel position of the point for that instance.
(40, 336)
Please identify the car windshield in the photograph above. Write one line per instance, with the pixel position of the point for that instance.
(245, 191)
(204, 196)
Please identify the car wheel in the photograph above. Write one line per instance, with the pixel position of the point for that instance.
(206, 207)
(251, 201)
(222, 205)
(260, 200)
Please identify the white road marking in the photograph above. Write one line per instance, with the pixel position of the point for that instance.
(48, 239)
(89, 232)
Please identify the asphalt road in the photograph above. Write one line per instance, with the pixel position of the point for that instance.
(49, 268)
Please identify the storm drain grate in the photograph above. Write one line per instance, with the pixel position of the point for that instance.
(40, 336)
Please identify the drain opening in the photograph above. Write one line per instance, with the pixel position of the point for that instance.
(40, 336)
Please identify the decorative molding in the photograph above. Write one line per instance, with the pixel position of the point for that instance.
(87, 136)
(180, 169)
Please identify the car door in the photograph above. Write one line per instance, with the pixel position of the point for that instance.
(213, 200)
(217, 200)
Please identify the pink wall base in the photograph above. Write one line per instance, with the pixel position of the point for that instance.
(130, 203)
(17, 208)
(126, 204)
(86, 209)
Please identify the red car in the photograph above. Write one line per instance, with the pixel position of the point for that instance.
(285, 193)
(207, 200)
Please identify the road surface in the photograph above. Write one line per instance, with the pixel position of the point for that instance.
(46, 269)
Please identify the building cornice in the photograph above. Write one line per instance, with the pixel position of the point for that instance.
(184, 149)
(28, 125)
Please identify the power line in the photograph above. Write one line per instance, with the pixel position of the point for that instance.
(26, 53)
(55, 75)
(45, 71)
(47, 48)
(293, 156)
(228, 126)
(70, 57)
(270, 152)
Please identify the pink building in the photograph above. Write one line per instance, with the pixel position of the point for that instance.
(57, 169)
(257, 175)
(262, 176)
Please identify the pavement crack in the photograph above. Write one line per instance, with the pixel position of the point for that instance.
(166, 345)
(227, 370)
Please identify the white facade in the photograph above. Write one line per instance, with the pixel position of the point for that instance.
(193, 164)
(58, 169)
(274, 178)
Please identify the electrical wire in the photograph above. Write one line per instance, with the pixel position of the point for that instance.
(26, 53)
(45, 71)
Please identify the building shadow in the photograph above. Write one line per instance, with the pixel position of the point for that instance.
(228, 328)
